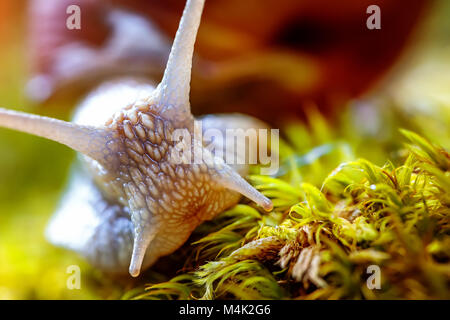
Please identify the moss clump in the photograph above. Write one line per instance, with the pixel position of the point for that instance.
(325, 232)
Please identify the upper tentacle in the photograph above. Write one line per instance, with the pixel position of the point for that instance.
(88, 140)
(172, 93)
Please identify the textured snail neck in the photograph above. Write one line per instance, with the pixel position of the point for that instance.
(173, 91)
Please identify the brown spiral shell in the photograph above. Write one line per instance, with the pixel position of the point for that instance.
(263, 58)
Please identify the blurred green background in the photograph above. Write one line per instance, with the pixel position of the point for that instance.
(33, 173)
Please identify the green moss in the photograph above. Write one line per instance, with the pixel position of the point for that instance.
(324, 232)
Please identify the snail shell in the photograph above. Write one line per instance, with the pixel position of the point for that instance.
(262, 58)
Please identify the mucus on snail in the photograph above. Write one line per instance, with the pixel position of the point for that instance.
(130, 205)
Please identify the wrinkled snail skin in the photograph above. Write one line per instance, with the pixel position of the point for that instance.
(131, 203)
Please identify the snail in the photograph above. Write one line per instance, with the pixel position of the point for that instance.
(131, 202)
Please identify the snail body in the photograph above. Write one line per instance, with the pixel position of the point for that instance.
(133, 201)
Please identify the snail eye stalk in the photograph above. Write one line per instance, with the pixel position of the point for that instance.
(172, 93)
(87, 140)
